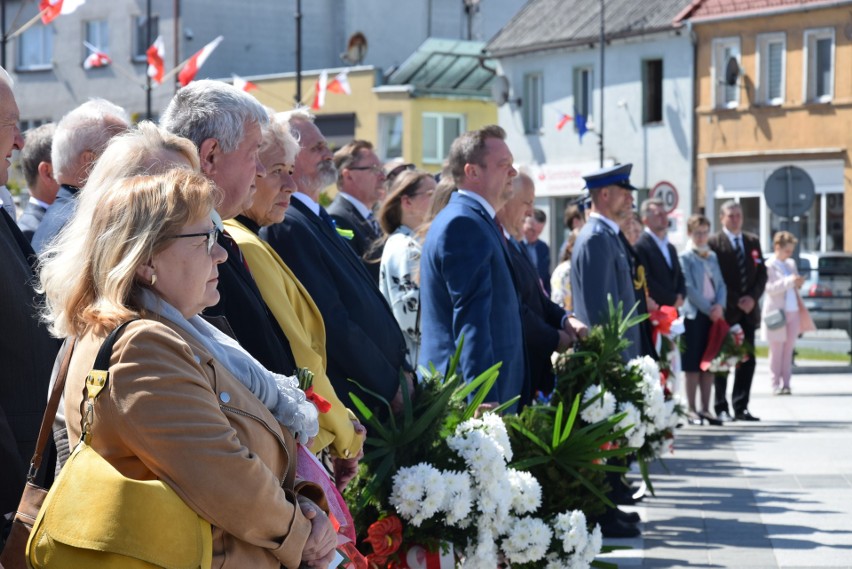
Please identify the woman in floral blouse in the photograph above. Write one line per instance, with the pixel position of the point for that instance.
(400, 216)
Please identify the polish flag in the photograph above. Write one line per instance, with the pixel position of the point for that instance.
(52, 9)
(340, 84)
(563, 120)
(243, 84)
(319, 91)
(96, 59)
(156, 60)
(190, 70)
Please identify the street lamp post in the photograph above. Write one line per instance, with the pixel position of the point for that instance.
(601, 118)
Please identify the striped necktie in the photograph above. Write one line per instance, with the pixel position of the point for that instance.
(741, 262)
(377, 229)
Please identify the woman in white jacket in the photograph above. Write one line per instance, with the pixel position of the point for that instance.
(782, 294)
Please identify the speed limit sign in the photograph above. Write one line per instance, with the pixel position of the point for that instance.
(668, 193)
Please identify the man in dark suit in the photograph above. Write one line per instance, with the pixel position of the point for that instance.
(744, 271)
(360, 184)
(364, 341)
(666, 284)
(204, 112)
(547, 326)
(601, 263)
(80, 138)
(26, 349)
(537, 250)
(38, 172)
(467, 288)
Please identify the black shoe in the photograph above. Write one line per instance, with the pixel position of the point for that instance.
(614, 528)
(711, 420)
(745, 416)
(724, 416)
(627, 517)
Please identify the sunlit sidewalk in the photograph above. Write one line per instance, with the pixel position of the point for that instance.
(772, 494)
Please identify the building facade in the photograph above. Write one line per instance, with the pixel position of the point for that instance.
(774, 89)
(551, 60)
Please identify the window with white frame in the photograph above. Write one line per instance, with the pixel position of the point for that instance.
(141, 41)
(819, 65)
(97, 36)
(771, 57)
(532, 102)
(727, 94)
(583, 90)
(390, 136)
(439, 132)
(35, 48)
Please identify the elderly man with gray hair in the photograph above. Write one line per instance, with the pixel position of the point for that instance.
(225, 124)
(80, 138)
(37, 167)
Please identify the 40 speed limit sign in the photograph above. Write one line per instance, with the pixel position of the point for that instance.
(668, 193)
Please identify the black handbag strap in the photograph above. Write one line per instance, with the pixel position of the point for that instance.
(50, 411)
(97, 380)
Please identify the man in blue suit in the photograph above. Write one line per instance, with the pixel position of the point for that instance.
(601, 262)
(467, 288)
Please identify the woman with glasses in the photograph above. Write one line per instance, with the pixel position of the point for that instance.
(184, 403)
(401, 214)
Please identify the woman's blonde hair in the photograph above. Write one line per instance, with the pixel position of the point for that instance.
(89, 279)
(784, 238)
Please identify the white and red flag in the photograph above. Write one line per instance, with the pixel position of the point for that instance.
(156, 60)
(243, 84)
(96, 58)
(190, 70)
(340, 84)
(319, 91)
(52, 9)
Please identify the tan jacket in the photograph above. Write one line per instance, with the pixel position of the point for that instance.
(173, 413)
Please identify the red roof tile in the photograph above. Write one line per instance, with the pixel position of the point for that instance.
(700, 9)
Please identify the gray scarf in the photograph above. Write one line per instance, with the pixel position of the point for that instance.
(278, 393)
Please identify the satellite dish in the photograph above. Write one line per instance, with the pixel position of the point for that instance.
(356, 49)
(500, 90)
(732, 71)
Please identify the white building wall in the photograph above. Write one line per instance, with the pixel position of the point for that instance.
(659, 152)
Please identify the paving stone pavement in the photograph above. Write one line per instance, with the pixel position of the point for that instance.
(772, 494)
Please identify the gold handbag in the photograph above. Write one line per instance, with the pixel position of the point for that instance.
(93, 516)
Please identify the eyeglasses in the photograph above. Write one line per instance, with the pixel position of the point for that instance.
(211, 236)
(377, 170)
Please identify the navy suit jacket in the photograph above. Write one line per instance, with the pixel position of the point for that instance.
(251, 321)
(56, 217)
(600, 266)
(540, 258)
(467, 289)
(27, 353)
(347, 216)
(31, 219)
(664, 283)
(364, 341)
(542, 320)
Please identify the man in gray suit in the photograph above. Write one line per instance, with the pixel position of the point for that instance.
(38, 172)
(26, 349)
(601, 263)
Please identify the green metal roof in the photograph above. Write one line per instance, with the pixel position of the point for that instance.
(446, 67)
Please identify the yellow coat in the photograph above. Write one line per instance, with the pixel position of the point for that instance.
(302, 323)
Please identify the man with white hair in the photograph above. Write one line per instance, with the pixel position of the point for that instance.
(79, 140)
(365, 344)
(225, 125)
(26, 349)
